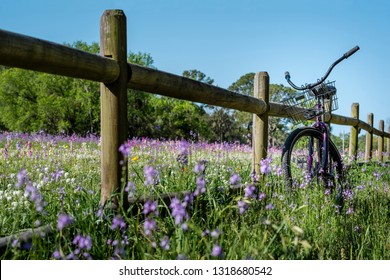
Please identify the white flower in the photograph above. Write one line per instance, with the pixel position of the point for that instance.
(16, 193)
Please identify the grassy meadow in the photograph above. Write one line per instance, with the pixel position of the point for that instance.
(55, 180)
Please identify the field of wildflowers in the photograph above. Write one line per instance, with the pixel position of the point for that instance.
(55, 181)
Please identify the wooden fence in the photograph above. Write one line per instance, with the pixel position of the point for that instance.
(117, 75)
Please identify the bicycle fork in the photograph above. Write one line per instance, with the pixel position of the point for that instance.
(320, 150)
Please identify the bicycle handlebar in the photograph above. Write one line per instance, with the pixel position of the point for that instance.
(351, 52)
(320, 81)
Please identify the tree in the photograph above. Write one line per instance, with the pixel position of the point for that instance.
(278, 126)
(140, 110)
(18, 100)
(223, 126)
(198, 76)
(176, 118)
(32, 101)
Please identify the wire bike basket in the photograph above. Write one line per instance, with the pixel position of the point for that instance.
(310, 103)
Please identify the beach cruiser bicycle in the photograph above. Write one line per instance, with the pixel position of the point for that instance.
(309, 153)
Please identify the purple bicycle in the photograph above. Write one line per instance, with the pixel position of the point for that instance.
(309, 153)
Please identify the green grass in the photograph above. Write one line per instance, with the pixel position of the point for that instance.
(63, 176)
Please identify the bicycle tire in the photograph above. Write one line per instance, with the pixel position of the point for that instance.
(297, 174)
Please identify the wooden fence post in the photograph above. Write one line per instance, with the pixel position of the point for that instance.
(369, 137)
(113, 44)
(260, 122)
(353, 142)
(388, 144)
(381, 141)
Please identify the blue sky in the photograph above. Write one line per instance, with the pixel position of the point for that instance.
(227, 39)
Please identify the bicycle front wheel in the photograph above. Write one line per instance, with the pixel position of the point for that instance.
(305, 158)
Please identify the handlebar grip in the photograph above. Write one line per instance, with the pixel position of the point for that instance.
(351, 52)
(287, 75)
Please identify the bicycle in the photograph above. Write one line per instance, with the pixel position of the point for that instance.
(308, 152)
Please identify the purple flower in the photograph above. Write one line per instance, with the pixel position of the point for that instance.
(184, 148)
(265, 166)
(130, 189)
(83, 242)
(350, 211)
(149, 226)
(182, 158)
(22, 178)
(200, 167)
(99, 213)
(151, 175)
(164, 243)
(64, 221)
(235, 179)
(35, 196)
(255, 177)
(71, 256)
(348, 194)
(178, 211)
(269, 206)
(201, 186)
(87, 256)
(57, 175)
(377, 175)
(261, 196)
(279, 171)
(57, 255)
(242, 206)
(150, 207)
(215, 233)
(360, 187)
(200, 182)
(250, 191)
(15, 243)
(188, 199)
(181, 257)
(118, 222)
(217, 251)
(125, 149)
(184, 227)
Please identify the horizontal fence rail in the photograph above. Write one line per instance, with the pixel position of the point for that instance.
(341, 120)
(167, 84)
(35, 54)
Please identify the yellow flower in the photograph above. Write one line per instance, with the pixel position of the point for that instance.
(134, 158)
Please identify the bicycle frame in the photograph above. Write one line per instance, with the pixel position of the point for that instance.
(324, 129)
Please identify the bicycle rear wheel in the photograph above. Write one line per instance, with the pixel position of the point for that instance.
(305, 159)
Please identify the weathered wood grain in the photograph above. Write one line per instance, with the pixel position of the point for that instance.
(113, 105)
(26, 52)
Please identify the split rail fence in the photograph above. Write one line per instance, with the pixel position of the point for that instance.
(117, 75)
